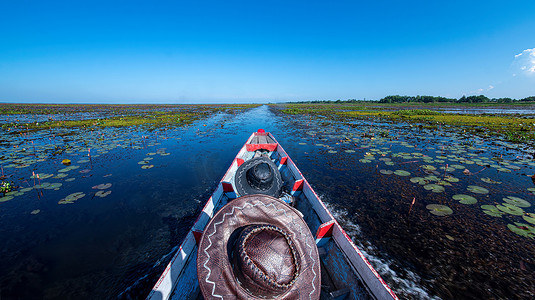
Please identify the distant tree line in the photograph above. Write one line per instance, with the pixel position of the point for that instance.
(463, 99)
(428, 99)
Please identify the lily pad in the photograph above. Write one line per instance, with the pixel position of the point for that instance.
(477, 189)
(522, 229)
(488, 180)
(464, 199)
(350, 151)
(386, 172)
(419, 180)
(529, 218)
(439, 210)
(435, 188)
(451, 179)
(102, 186)
(402, 173)
(510, 209)
(6, 198)
(102, 194)
(147, 166)
(35, 211)
(428, 167)
(519, 202)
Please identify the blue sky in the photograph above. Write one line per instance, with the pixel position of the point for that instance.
(262, 51)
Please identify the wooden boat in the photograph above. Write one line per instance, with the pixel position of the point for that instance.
(346, 273)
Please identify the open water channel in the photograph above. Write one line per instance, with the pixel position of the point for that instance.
(440, 213)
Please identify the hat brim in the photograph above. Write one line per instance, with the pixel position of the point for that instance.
(214, 270)
(242, 186)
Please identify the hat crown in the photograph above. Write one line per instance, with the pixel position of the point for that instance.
(267, 262)
(260, 176)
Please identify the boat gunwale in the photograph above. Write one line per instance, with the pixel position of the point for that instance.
(379, 290)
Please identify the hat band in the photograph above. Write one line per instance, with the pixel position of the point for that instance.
(256, 269)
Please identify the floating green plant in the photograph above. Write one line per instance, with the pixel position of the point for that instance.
(147, 166)
(332, 151)
(477, 189)
(41, 176)
(35, 211)
(143, 162)
(386, 172)
(102, 194)
(67, 169)
(510, 209)
(439, 209)
(522, 229)
(71, 198)
(435, 188)
(418, 180)
(519, 202)
(488, 180)
(529, 218)
(491, 210)
(402, 173)
(451, 179)
(464, 199)
(102, 186)
(6, 198)
(428, 167)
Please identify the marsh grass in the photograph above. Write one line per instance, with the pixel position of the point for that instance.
(512, 128)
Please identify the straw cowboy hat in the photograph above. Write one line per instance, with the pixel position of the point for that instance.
(258, 247)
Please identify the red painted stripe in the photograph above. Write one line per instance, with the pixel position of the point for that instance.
(239, 161)
(284, 160)
(227, 187)
(197, 235)
(298, 185)
(268, 147)
(325, 230)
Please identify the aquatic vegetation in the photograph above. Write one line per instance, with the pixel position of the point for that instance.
(35, 211)
(510, 209)
(488, 180)
(435, 188)
(147, 166)
(491, 210)
(71, 198)
(102, 186)
(464, 199)
(477, 189)
(402, 173)
(102, 194)
(522, 229)
(386, 172)
(439, 209)
(519, 202)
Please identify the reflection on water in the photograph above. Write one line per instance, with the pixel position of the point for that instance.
(102, 247)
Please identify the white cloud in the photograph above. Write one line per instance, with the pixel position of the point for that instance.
(490, 87)
(525, 62)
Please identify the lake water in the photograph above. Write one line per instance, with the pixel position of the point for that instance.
(117, 245)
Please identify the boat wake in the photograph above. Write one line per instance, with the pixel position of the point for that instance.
(405, 285)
